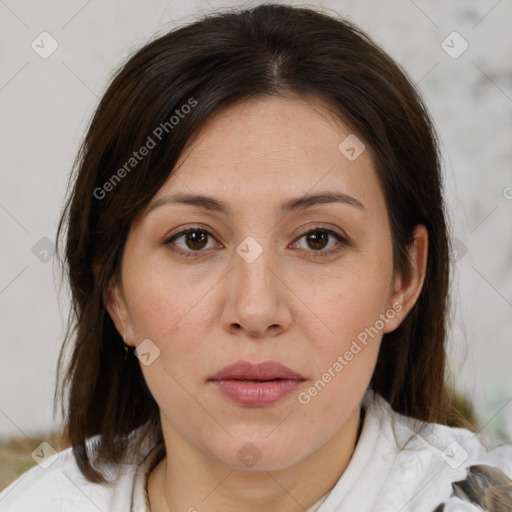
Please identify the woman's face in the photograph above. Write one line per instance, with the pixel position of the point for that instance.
(270, 273)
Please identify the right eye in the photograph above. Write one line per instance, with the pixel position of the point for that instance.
(191, 240)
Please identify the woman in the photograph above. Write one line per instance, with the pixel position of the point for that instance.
(258, 257)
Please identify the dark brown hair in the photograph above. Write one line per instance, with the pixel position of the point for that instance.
(268, 50)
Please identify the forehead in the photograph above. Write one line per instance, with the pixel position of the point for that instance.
(273, 147)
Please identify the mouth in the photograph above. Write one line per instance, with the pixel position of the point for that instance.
(256, 385)
(258, 380)
(265, 371)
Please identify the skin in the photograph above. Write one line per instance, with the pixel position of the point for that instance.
(288, 305)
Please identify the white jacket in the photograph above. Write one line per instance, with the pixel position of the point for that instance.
(397, 466)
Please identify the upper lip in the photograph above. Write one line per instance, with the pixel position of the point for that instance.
(267, 370)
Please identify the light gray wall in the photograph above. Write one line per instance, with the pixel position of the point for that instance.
(46, 104)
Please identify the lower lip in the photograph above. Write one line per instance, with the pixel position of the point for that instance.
(256, 394)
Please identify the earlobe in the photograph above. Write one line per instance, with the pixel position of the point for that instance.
(407, 287)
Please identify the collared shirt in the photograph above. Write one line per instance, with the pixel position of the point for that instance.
(399, 465)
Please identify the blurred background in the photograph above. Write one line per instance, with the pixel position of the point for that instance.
(56, 58)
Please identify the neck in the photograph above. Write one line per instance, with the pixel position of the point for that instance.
(191, 480)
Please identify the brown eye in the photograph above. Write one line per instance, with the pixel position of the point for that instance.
(319, 241)
(196, 240)
(190, 240)
(193, 241)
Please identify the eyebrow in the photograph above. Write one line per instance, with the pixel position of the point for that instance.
(299, 203)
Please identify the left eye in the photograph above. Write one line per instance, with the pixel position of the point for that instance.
(318, 239)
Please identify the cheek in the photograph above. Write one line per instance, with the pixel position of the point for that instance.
(351, 302)
(345, 357)
(350, 306)
(176, 313)
(162, 301)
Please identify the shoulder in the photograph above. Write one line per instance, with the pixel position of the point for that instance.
(450, 466)
(57, 485)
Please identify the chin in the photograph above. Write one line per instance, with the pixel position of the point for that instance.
(259, 453)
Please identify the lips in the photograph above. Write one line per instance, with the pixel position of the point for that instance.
(256, 385)
(243, 370)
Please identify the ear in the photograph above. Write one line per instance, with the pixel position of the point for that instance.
(406, 289)
(115, 304)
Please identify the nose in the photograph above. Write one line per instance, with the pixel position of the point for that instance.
(256, 294)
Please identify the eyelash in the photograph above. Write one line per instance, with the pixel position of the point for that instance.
(320, 253)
